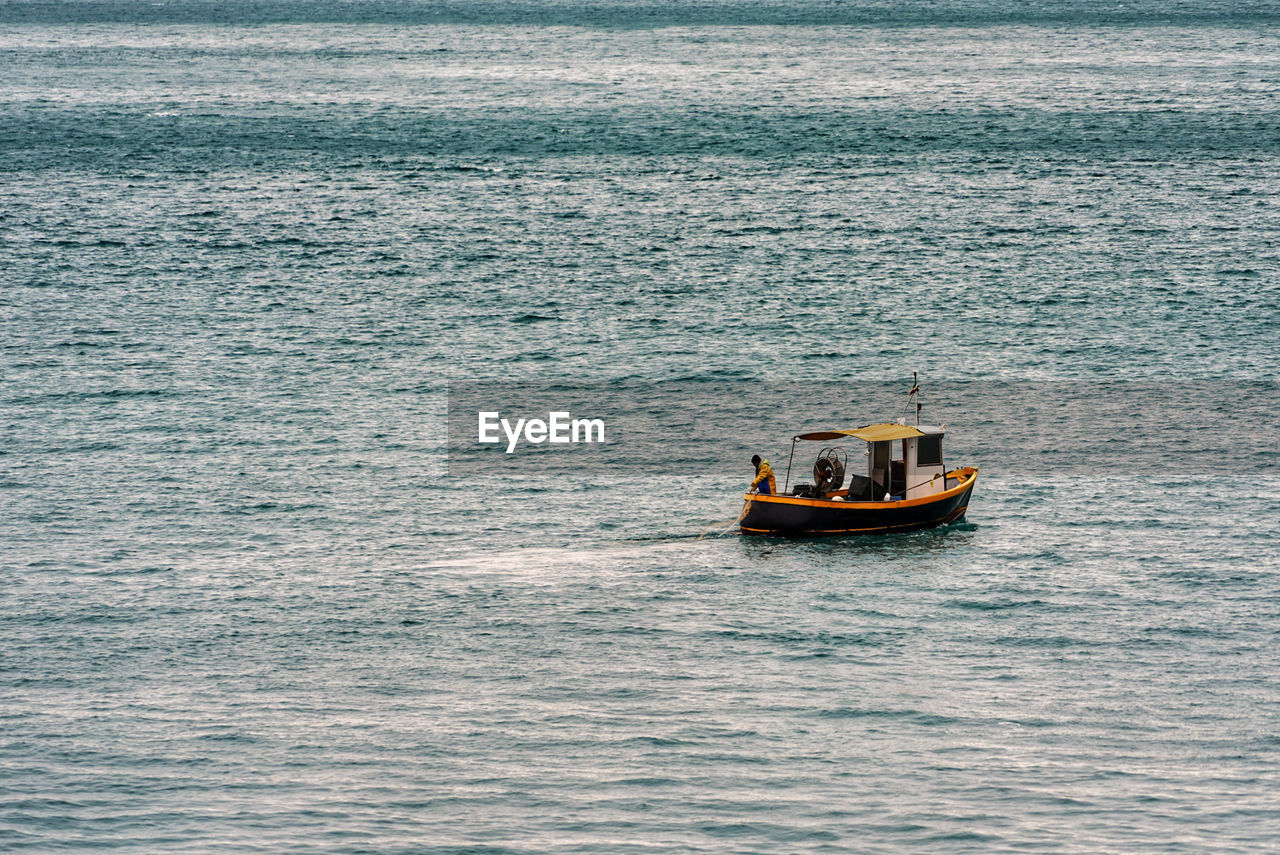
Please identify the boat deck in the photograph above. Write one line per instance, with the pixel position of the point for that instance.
(956, 479)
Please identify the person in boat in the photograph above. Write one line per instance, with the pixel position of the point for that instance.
(764, 481)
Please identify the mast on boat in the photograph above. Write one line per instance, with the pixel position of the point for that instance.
(913, 397)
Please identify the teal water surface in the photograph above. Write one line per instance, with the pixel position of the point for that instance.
(250, 604)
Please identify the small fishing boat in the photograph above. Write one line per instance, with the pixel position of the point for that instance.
(906, 486)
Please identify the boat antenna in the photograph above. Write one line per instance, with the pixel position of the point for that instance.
(913, 397)
(915, 390)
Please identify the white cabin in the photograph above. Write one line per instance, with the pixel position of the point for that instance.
(923, 462)
(904, 461)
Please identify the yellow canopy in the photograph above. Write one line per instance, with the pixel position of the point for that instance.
(870, 433)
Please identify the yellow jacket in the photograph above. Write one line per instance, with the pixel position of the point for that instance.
(765, 473)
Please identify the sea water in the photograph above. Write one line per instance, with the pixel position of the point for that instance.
(257, 259)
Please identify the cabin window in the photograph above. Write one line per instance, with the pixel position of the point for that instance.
(929, 451)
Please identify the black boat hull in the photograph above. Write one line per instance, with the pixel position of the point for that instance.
(792, 516)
